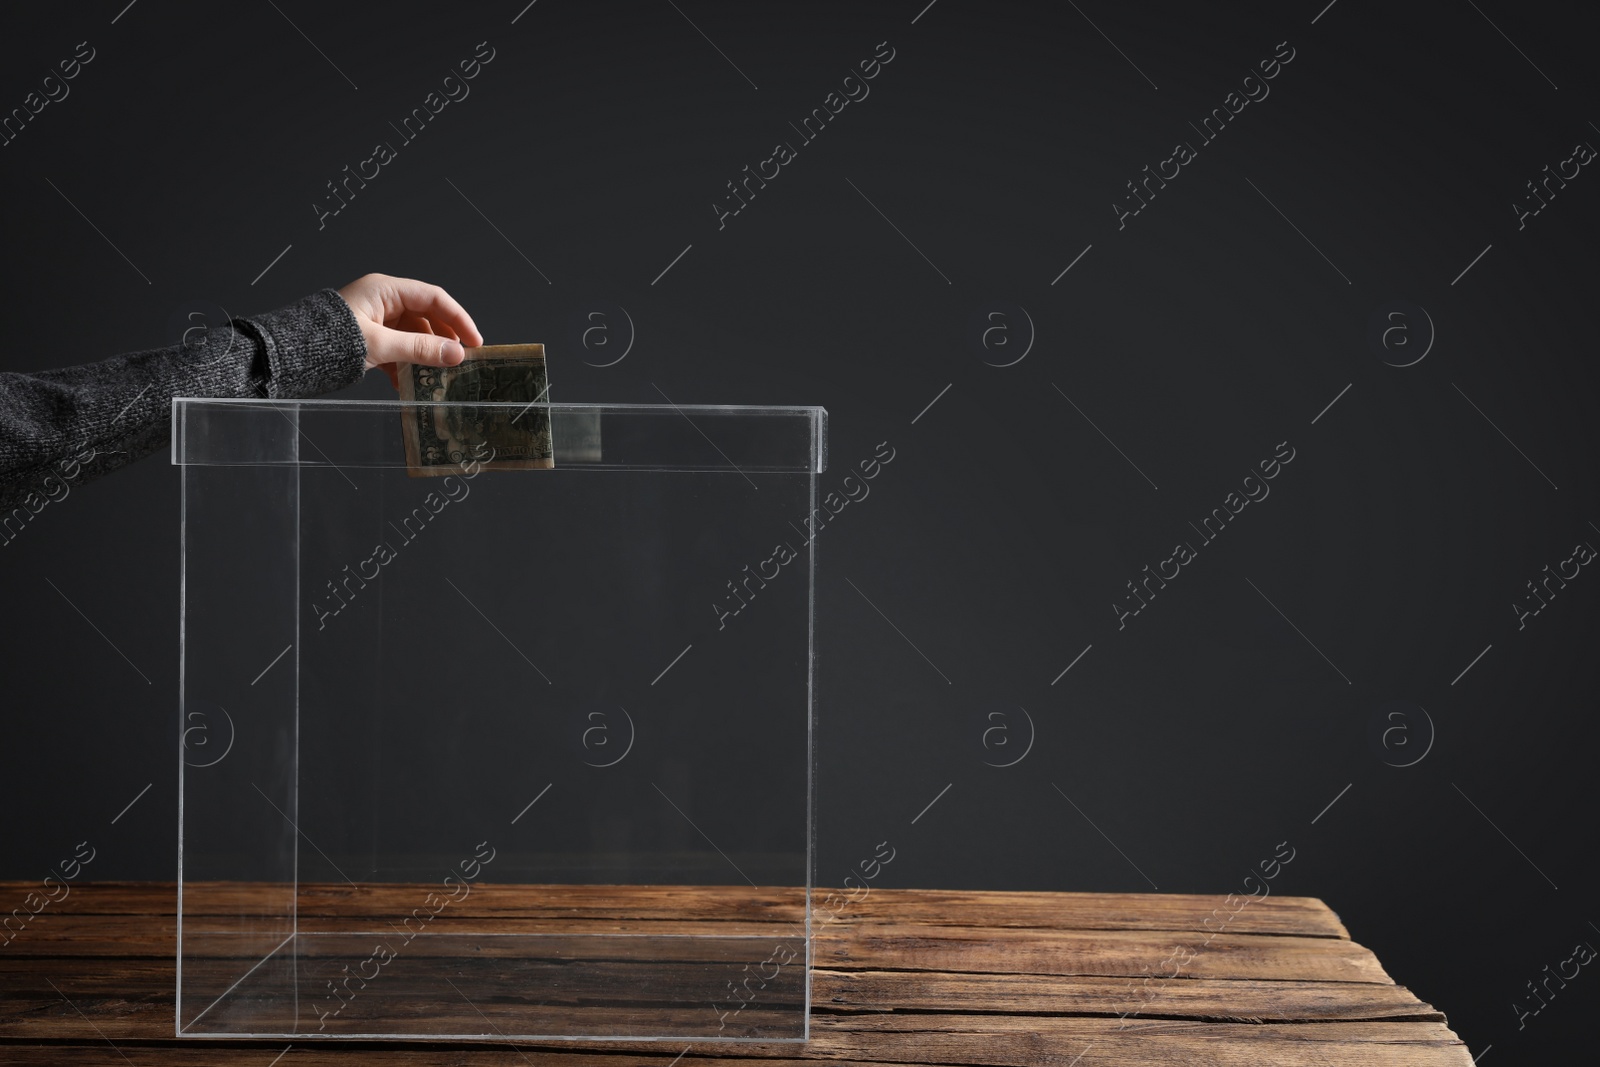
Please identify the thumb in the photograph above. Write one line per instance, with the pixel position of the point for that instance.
(385, 345)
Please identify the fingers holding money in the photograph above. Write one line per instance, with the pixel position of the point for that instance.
(407, 321)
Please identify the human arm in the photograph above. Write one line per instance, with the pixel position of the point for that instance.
(68, 424)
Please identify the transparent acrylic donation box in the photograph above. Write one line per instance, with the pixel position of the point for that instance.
(498, 732)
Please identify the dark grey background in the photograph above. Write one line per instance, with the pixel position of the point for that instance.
(1196, 339)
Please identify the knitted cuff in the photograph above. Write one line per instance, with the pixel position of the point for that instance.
(312, 347)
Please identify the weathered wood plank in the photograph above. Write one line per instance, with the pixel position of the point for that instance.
(862, 946)
(1302, 916)
(1099, 1043)
(903, 977)
(1094, 952)
(1190, 998)
(1002, 1041)
(138, 995)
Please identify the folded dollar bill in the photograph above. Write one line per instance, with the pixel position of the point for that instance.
(440, 438)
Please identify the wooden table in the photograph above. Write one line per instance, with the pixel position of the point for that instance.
(904, 976)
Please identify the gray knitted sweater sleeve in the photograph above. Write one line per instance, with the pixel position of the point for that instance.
(62, 426)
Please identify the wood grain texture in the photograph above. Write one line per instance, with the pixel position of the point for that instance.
(1302, 916)
(901, 977)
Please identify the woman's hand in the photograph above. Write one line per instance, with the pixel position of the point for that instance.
(407, 321)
